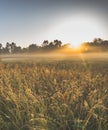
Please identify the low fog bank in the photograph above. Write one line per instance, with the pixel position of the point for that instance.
(55, 56)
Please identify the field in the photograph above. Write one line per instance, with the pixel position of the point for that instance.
(54, 92)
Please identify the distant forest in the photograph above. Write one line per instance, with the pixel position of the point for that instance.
(97, 45)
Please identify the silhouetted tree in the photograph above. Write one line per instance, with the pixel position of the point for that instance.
(8, 48)
(51, 45)
(45, 43)
(13, 47)
(57, 43)
(33, 48)
(0, 47)
(97, 41)
(17, 49)
(24, 50)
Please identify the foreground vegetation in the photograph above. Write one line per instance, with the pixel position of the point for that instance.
(54, 95)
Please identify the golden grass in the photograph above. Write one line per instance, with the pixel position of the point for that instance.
(54, 95)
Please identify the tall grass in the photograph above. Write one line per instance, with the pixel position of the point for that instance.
(57, 95)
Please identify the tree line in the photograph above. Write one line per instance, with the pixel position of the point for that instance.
(97, 44)
(46, 46)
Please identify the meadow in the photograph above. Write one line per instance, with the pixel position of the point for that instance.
(54, 93)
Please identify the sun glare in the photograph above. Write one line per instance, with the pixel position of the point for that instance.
(76, 30)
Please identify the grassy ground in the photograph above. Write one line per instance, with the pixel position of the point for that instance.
(54, 93)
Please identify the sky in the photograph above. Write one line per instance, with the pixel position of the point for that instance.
(71, 21)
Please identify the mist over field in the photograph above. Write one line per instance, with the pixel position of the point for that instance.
(55, 56)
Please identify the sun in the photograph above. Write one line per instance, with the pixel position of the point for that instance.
(76, 30)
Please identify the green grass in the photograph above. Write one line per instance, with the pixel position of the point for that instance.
(54, 95)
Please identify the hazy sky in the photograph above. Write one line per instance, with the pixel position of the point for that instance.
(32, 21)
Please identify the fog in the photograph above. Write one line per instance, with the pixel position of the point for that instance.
(54, 56)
